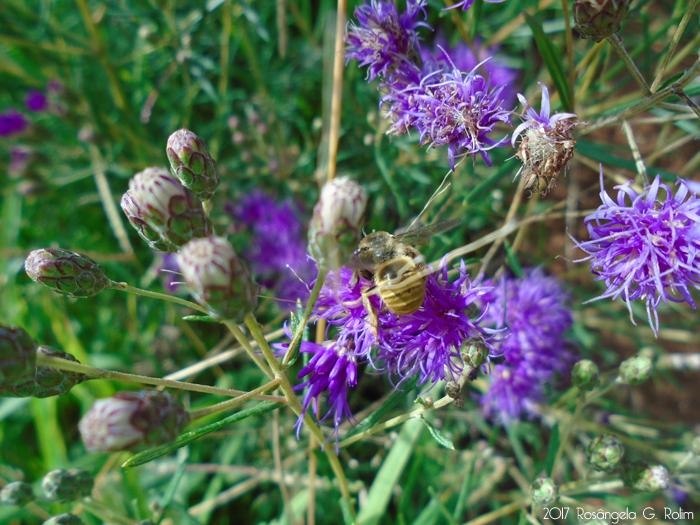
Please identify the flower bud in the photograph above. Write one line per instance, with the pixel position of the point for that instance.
(67, 484)
(217, 278)
(336, 224)
(48, 381)
(585, 375)
(68, 273)
(648, 478)
(16, 493)
(474, 354)
(128, 420)
(17, 356)
(64, 519)
(164, 213)
(543, 491)
(635, 370)
(598, 19)
(191, 163)
(605, 453)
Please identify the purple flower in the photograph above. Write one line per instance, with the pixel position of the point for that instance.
(534, 309)
(12, 122)
(20, 156)
(546, 146)
(340, 304)
(542, 122)
(170, 272)
(466, 4)
(453, 109)
(385, 41)
(646, 245)
(36, 101)
(331, 371)
(465, 58)
(277, 250)
(427, 343)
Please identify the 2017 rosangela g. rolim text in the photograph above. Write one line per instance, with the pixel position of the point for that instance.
(615, 517)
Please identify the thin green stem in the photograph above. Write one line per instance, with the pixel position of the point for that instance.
(395, 421)
(295, 405)
(125, 287)
(107, 199)
(243, 341)
(313, 296)
(105, 513)
(647, 102)
(680, 29)
(237, 401)
(619, 46)
(500, 512)
(100, 373)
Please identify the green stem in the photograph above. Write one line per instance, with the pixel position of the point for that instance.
(618, 45)
(107, 199)
(680, 29)
(395, 421)
(647, 102)
(125, 287)
(243, 341)
(295, 405)
(313, 296)
(497, 514)
(99, 373)
(236, 401)
(107, 514)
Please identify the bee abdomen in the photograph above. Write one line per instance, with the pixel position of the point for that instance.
(403, 299)
(398, 287)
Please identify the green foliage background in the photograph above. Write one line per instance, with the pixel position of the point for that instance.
(132, 72)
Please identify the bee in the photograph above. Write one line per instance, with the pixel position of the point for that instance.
(396, 267)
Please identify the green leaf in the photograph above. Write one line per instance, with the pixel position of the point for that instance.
(192, 435)
(552, 449)
(375, 506)
(551, 56)
(442, 440)
(396, 398)
(201, 318)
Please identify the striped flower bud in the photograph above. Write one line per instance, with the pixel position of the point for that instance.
(647, 478)
(48, 381)
(17, 356)
(543, 491)
(129, 420)
(164, 213)
(598, 19)
(191, 163)
(67, 484)
(585, 375)
(64, 519)
(605, 453)
(335, 227)
(635, 370)
(68, 273)
(17, 493)
(217, 278)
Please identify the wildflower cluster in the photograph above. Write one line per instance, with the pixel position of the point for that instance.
(424, 345)
(425, 90)
(645, 245)
(277, 246)
(534, 310)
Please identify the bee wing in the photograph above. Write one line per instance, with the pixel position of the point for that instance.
(416, 234)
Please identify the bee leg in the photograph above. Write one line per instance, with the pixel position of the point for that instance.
(371, 314)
